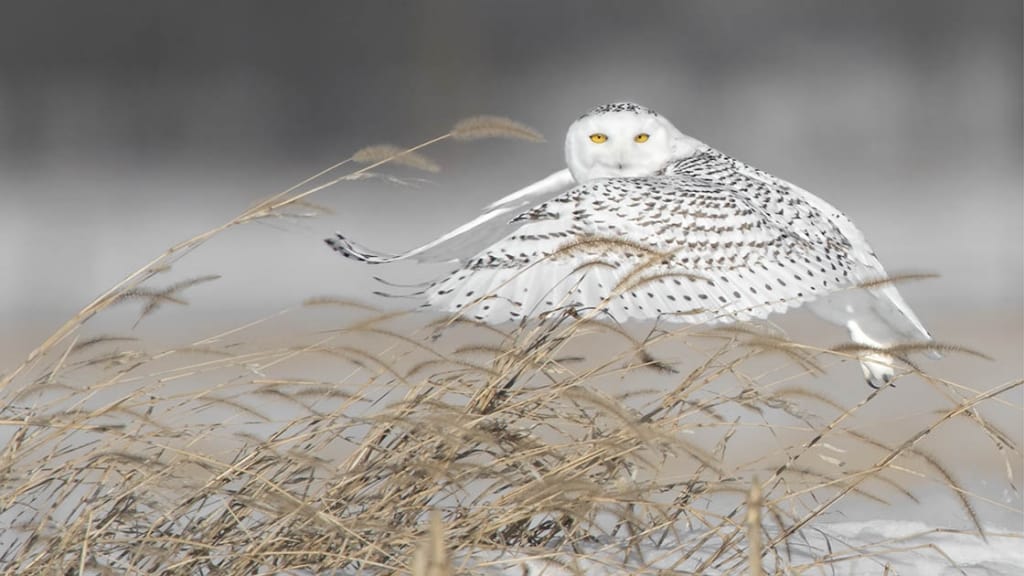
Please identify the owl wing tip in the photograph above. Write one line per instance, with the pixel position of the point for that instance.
(349, 249)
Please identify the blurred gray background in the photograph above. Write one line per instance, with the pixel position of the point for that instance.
(128, 126)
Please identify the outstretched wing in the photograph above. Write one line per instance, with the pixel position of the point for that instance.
(672, 246)
(877, 316)
(468, 239)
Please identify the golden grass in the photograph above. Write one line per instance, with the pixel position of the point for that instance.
(480, 127)
(446, 448)
(395, 155)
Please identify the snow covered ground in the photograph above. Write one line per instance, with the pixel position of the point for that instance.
(877, 547)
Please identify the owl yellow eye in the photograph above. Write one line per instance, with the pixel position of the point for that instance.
(598, 138)
(641, 137)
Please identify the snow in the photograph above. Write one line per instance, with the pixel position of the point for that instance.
(901, 547)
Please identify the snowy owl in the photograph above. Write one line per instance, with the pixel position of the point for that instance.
(647, 222)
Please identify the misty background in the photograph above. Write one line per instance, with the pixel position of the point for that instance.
(128, 126)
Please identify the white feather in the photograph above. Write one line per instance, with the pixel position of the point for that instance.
(469, 238)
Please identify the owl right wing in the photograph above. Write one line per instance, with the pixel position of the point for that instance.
(470, 238)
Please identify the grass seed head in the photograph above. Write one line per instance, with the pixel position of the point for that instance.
(395, 155)
(480, 127)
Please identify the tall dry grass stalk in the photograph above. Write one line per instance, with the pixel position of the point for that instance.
(388, 445)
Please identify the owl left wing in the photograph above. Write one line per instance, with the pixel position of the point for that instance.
(882, 316)
(868, 305)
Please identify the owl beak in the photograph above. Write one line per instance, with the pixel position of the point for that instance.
(621, 163)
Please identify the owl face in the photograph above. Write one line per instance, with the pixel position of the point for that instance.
(623, 140)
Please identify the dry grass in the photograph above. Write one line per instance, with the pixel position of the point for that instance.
(454, 448)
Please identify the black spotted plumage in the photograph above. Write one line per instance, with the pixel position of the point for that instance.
(703, 252)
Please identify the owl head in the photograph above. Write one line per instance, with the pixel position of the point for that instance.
(623, 140)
